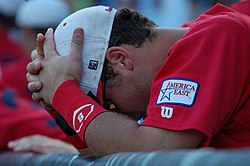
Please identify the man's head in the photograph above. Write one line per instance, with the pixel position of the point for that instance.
(117, 37)
(130, 31)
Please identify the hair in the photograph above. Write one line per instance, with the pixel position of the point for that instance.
(129, 27)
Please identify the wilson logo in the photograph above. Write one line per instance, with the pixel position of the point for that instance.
(167, 112)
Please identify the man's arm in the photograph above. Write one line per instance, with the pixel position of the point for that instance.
(108, 132)
(112, 132)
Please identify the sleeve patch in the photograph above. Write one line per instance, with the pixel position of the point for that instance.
(178, 91)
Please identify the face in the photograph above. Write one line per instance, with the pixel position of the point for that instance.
(130, 91)
(135, 70)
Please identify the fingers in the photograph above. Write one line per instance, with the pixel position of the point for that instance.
(36, 56)
(34, 67)
(39, 43)
(32, 78)
(22, 144)
(49, 108)
(49, 45)
(36, 97)
(29, 143)
(77, 42)
(35, 86)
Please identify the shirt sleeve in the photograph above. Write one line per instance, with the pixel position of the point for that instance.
(202, 81)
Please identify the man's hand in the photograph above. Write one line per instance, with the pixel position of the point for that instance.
(40, 144)
(45, 74)
(35, 66)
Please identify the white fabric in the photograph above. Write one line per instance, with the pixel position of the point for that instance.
(97, 23)
(42, 13)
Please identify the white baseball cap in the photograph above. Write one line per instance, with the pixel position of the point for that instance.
(97, 22)
(42, 13)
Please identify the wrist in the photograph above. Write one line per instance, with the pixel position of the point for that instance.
(75, 106)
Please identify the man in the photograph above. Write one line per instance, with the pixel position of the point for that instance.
(193, 84)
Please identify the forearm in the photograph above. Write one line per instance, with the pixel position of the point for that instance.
(111, 132)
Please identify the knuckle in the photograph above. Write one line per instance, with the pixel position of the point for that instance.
(29, 87)
(28, 67)
(36, 97)
(28, 77)
(33, 54)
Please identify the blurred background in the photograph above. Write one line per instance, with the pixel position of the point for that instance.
(170, 13)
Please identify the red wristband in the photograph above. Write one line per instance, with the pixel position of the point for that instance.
(73, 139)
(75, 106)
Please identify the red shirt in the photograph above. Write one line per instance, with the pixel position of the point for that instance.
(13, 64)
(204, 83)
(243, 7)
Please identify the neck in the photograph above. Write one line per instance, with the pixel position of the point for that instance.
(156, 50)
(166, 38)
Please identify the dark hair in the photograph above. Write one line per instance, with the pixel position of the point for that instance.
(130, 27)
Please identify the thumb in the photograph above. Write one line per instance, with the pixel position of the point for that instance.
(77, 43)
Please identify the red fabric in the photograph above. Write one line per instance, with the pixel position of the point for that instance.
(76, 107)
(13, 64)
(204, 83)
(20, 117)
(243, 7)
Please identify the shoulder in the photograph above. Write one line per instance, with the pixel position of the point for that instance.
(222, 20)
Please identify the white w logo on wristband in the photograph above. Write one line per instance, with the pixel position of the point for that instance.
(79, 118)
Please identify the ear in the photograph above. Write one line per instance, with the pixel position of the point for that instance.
(118, 55)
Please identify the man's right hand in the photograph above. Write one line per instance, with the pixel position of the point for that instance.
(35, 66)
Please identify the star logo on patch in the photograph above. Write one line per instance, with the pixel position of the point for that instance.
(166, 93)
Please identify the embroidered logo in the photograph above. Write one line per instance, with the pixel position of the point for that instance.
(166, 112)
(178, 91)
(109, 9)
(93, 65)
(79, 118)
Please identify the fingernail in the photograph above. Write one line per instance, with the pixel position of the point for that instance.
(79, 31)
(48, 31)
(37, 85)
(36, 65)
